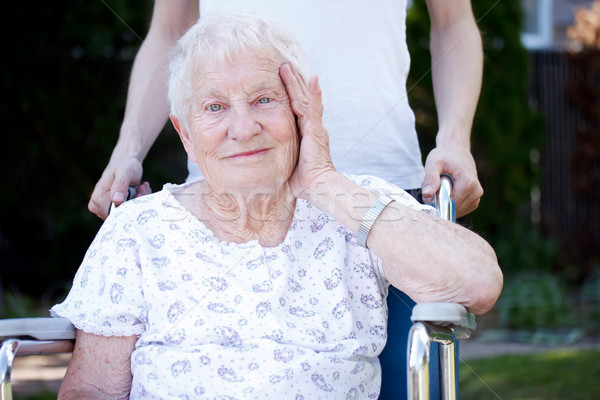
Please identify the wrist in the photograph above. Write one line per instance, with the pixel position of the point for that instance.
(370, 217)
(341, 199)
(321, 186)
(129, 145)
(454, 137)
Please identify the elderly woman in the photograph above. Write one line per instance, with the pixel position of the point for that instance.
(268, 278)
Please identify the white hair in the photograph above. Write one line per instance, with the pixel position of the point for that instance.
(222, 39)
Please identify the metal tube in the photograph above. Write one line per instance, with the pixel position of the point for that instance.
(418, 362)
(439, 334)
(34, 347)
(422, 333)
(443, 199)
(7, 355)
(447, 371)
(445, 338)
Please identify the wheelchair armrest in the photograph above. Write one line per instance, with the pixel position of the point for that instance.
(450, 315)
(37, 329)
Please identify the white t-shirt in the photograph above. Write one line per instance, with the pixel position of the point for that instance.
(358, 49)
(306, 319)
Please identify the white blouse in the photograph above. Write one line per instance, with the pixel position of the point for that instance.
(303, 320)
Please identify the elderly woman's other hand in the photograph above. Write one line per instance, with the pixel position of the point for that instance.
(314, 159)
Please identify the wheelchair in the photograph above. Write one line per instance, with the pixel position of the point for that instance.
(426, 374)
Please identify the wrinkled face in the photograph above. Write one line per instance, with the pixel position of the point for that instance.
(242, 130)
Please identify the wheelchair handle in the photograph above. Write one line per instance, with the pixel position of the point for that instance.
(443, 198)
(434, 322)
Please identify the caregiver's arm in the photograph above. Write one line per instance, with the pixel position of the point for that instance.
(100, 368)
(457, 68)
(147, 108)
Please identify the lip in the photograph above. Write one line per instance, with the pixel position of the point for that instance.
(247, 154)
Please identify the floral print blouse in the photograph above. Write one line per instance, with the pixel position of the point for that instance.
(303, 320)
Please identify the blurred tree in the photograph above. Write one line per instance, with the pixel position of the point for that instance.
(506, 132)
(67, 79)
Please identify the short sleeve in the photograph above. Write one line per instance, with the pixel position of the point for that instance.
(107, 294)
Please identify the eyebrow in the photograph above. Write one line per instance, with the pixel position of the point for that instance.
(279, 87)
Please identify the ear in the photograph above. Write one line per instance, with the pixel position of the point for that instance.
(186, 138)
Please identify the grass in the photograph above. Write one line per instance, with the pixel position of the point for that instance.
(45, 395)
(560, 374)
(553, 375)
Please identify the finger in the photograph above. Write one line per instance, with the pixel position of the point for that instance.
(302, 83)
(143, 190)
(118, 191)
(467, 195)
(316, 96)
(100, 201)
(124, 178)
(462, 211)
(315, 115)
(465, 207)
(467, 192)
(430, 185)
(296, 88)
(431, 182)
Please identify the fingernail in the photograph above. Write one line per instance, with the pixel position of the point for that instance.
(426, 189)
(118, 197)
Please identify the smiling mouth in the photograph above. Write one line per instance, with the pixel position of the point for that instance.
(247, 154)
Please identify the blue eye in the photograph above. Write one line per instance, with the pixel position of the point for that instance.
(215, 107)
(264, 100)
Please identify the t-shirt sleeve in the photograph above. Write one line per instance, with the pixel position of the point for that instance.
(107, 294)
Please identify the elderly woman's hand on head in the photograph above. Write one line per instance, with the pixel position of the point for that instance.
(314, 159)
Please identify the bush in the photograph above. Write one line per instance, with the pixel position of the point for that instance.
(534, 300)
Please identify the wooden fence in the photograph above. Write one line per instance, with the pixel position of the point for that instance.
(566, 90)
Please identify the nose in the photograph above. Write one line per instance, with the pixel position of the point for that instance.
(243, 125)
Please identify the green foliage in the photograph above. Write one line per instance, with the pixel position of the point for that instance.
(27, 303)
(525, 249)
(16, 305)
(43, 395)
(533, 300)
(505, 129)
(590, 300)
(538, 306)
(564, 375)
